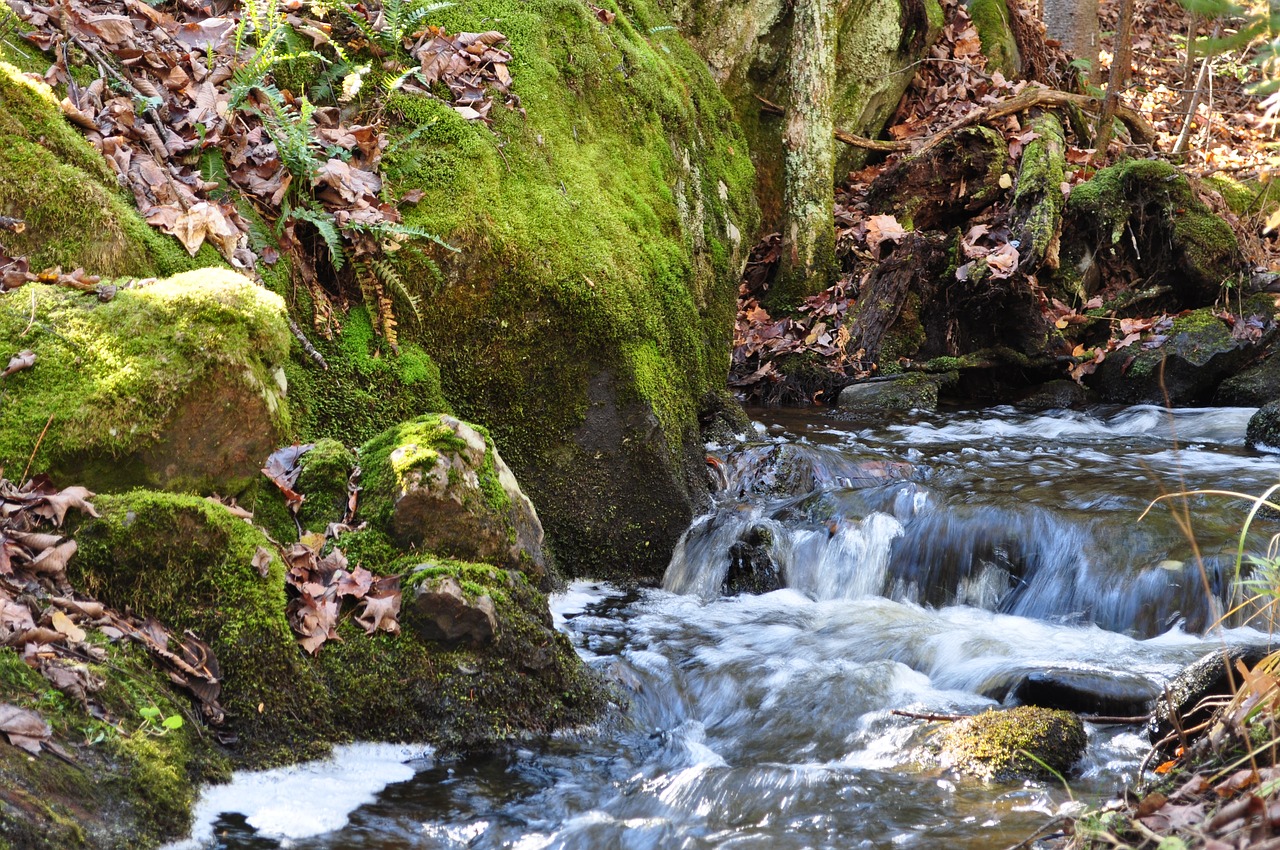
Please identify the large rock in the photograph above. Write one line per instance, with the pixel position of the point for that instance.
(590, 308)
(998, 745)
(1200, 352)
(1181, 706)
(173, 384)
(438, 484)
(899, 393)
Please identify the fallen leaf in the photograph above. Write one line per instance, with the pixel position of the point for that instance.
(64, 625)
(25, 728)
(380, 613)
(24, 359)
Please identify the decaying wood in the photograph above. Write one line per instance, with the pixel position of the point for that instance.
(912, 265)
(1140, 130)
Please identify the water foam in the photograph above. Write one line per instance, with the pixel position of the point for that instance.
(306, 799)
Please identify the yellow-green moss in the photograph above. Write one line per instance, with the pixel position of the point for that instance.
(323, 480)
(995, 744)
(387, 461)
(108, 378)
(991, 18)
(75, 211)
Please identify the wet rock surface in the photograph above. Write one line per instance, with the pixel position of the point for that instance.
(444, 613)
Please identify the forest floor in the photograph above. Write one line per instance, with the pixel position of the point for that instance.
(1227, 137)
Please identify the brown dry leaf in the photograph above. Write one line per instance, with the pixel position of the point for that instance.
(24, 359)
(380, 613)
(63, 625)
(25, 728)
(881, 228)
(203, 221)
(1003, 261)
(355, 583)
(53, 561)
(55, 506)
(112, 29)
(262, 561)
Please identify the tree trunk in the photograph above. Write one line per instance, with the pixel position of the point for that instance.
(808, 234)
(1122, 58)
(1075, 24)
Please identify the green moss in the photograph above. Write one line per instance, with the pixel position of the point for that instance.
(132, 788)
(75, 212)
(1040, 178)
(991, 18)
(1154, 201)
(1246, 197)
(323, 480)
(995, 744)
(402, 689)
(365, 389)
(601, 233)
(109, 379)
(189, 563)
(389, 461)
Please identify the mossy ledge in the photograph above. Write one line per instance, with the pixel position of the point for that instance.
(175, 383)
(601, 239)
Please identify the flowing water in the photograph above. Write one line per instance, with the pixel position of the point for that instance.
(928, 564)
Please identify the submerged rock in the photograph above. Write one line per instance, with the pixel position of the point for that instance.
(752, 568)
(995, 745)
(438, 484)
(1087, 691)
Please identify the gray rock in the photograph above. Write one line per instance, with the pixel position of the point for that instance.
(442, 612)
(1087, 691)
(752, 568)
(1212, 675)
(903, 392)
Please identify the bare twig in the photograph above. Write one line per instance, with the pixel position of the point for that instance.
(946, 718)
(306, 345)
(1193, 98)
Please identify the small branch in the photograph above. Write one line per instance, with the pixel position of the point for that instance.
(1119, 77)
(769, 106)
(1115, 721)
(1032, 96)
(946, 718)
(1193, 101)
(306, 345)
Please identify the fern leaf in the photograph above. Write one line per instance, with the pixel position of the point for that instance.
(328, 230)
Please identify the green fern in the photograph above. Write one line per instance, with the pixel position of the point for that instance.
(395, 21)
(325, 225)
(394, 284)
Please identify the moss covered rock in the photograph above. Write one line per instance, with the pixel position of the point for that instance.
(189, 563)
(437, 484)
(1255, 386)
(75, 212)
(1263, 430)
(902, 392)
(1025, 742)
(133, 783)
(1198, 355)
(591, 305)
(174, 383)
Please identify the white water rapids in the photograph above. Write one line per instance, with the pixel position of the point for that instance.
(1009, 545)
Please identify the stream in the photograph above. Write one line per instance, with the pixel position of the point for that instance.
(933, 563)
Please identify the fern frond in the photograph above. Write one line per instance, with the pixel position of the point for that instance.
(394, 284)
(409, 231)
(328, 230)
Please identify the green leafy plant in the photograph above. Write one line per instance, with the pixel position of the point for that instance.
(396, 21)
(154, 721)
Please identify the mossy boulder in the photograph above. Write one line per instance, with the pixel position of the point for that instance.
(1199, 354)
(591, 305)
(437, 484)
(189, 563)
(901, 392)
(325, 472)
(745, 44)
(1263, 430)
(75, 211)
(1142, 220)
(175, 384)
(1254, 387)
(1020, 743)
